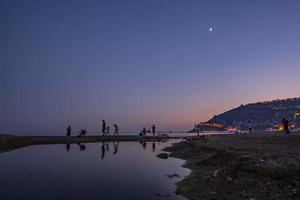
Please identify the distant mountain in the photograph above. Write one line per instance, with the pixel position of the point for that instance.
(265, 115)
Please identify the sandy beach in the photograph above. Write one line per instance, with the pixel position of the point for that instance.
(258, 166)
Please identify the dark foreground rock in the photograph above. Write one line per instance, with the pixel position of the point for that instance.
(255, 167)
(163, 155)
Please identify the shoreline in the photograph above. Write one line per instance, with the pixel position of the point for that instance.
(258, 166)
(11, 142)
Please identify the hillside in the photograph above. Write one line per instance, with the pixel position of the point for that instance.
(263, 115)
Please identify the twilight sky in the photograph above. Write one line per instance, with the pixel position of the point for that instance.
(138, 62)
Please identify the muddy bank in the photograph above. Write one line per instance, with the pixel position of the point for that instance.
(259, 167)
(10, 142)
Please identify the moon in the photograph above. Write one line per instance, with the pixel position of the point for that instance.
(210, 29)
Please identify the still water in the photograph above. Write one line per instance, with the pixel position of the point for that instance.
(125, 170)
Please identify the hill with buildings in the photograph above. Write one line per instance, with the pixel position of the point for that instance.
(265, 115)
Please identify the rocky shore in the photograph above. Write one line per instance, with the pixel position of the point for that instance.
(252, 167)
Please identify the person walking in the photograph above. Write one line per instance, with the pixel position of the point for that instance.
(107, 130)
(116, 129)
(103, 127)
(250, 126)
(144, 131)
(285, 123)
(153, 130)
(69, 129)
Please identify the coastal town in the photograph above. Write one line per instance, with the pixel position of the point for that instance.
(264, 116)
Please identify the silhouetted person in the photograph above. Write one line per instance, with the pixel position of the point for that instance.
(68, 146)
(144, 131)
(83, 132)
(102, 151)
(153, 130)
(116, 147)
(107, 130)
(153, 146)
(285, 123)
(103, 127)
(116, 129)
(250, 126)
(69, 129)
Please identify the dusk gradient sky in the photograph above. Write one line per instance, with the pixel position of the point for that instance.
(138, 62)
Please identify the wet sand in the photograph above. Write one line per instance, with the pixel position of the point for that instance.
(10, 142)
(256, 167)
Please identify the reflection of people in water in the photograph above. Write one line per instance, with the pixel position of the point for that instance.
(144, 144)
(82, 147)
(116, 147)
(107, 146)
(153, 146)
(68, 146)
(102, 151)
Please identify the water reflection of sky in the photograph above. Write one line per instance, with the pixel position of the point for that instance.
(128, 170)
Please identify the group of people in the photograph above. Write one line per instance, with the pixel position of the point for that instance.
(145, 131)
(105, 130)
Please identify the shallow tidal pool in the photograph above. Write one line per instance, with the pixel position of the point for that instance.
(109, 170)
